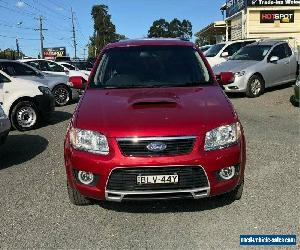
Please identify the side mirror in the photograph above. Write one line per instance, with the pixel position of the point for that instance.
(224, 54)
(225, 78)
(274, 59)
(77, 82)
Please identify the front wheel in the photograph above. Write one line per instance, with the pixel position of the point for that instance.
(256, 86)
(24, 116)
(76, 198)
(62, 95)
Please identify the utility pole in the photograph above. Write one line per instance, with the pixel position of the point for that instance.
(18, 48)
(74, 34)
(84, 53)
(40, 18)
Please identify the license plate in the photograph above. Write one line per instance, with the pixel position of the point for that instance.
(157, 179)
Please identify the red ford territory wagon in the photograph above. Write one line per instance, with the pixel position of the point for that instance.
(154, 123)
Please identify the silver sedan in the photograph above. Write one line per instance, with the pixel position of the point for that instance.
(4, 126)
(258, 66)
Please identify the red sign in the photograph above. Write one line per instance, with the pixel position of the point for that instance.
(284, 16)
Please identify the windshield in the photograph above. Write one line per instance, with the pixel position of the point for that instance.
(252, 52)
(214, 50)
(151, 66)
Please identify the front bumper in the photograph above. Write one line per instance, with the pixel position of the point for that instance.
(4, 129)
(102, 166)
(75, 93)
(238, 86)
(45, 105)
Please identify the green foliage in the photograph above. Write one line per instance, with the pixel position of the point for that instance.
(104, 30)
(10, 54)
(176, 28)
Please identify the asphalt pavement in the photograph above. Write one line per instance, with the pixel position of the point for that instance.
(35, 211)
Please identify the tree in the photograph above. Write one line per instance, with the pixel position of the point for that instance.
(11, 54)
(159, 28)
(176, 28)
(104, 30)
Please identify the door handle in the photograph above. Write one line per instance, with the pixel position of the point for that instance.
(286, 62)
(6, 92)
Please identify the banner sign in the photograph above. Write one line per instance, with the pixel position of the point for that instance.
(52, 53)
(273, 2)
(234, 6)
(284, 16)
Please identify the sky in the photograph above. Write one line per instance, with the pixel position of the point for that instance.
(132, 18)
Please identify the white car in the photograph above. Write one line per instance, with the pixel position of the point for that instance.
(58, 84)
(74, 71)
(48, 66)
(220, 52)
(25, 102)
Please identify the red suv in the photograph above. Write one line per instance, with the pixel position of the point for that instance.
(154, 123)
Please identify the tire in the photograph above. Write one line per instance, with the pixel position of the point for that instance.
(255, 86)
(294, 102)
(76, 198)
(62, 95)
(24, 116)
(235, 194)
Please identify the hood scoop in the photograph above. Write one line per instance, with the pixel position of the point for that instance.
(159, 103)
(153, 100)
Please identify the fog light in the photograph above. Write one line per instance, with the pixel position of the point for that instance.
(227, 173)
(85, 177)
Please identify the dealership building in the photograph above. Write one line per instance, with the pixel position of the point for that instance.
(279, 19)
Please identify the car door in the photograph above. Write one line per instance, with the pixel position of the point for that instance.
(4, 90)
(292, 63)
(277, 72)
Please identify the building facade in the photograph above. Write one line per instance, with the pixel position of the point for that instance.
(275, 19)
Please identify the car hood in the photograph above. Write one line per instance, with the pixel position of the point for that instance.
(154, 112)
(233, 66)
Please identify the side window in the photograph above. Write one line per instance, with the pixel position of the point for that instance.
(247, 43)
(279, 51)
(44, 66)
(17, 69)
(288, 50)
(55, 67)
(34, 64)
(23, 70)
(231, 49)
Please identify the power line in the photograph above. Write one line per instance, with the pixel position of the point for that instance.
(20, 38)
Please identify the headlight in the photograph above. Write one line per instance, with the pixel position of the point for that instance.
(2, 114)
(222, 137)
(45, 90)
(89, 141)
(239, 74)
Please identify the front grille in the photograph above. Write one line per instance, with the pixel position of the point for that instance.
(174, 146)
(190, 177)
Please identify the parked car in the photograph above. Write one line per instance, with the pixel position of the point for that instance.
(74, 71)
(220, 52)
(295, 99)
(25, 102)
(4, 125)
(59, 68)
(259, 66)
(58, 84)
(84, 66)
(154, 126)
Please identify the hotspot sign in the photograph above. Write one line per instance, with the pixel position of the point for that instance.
(284, 16)
(52, 53)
